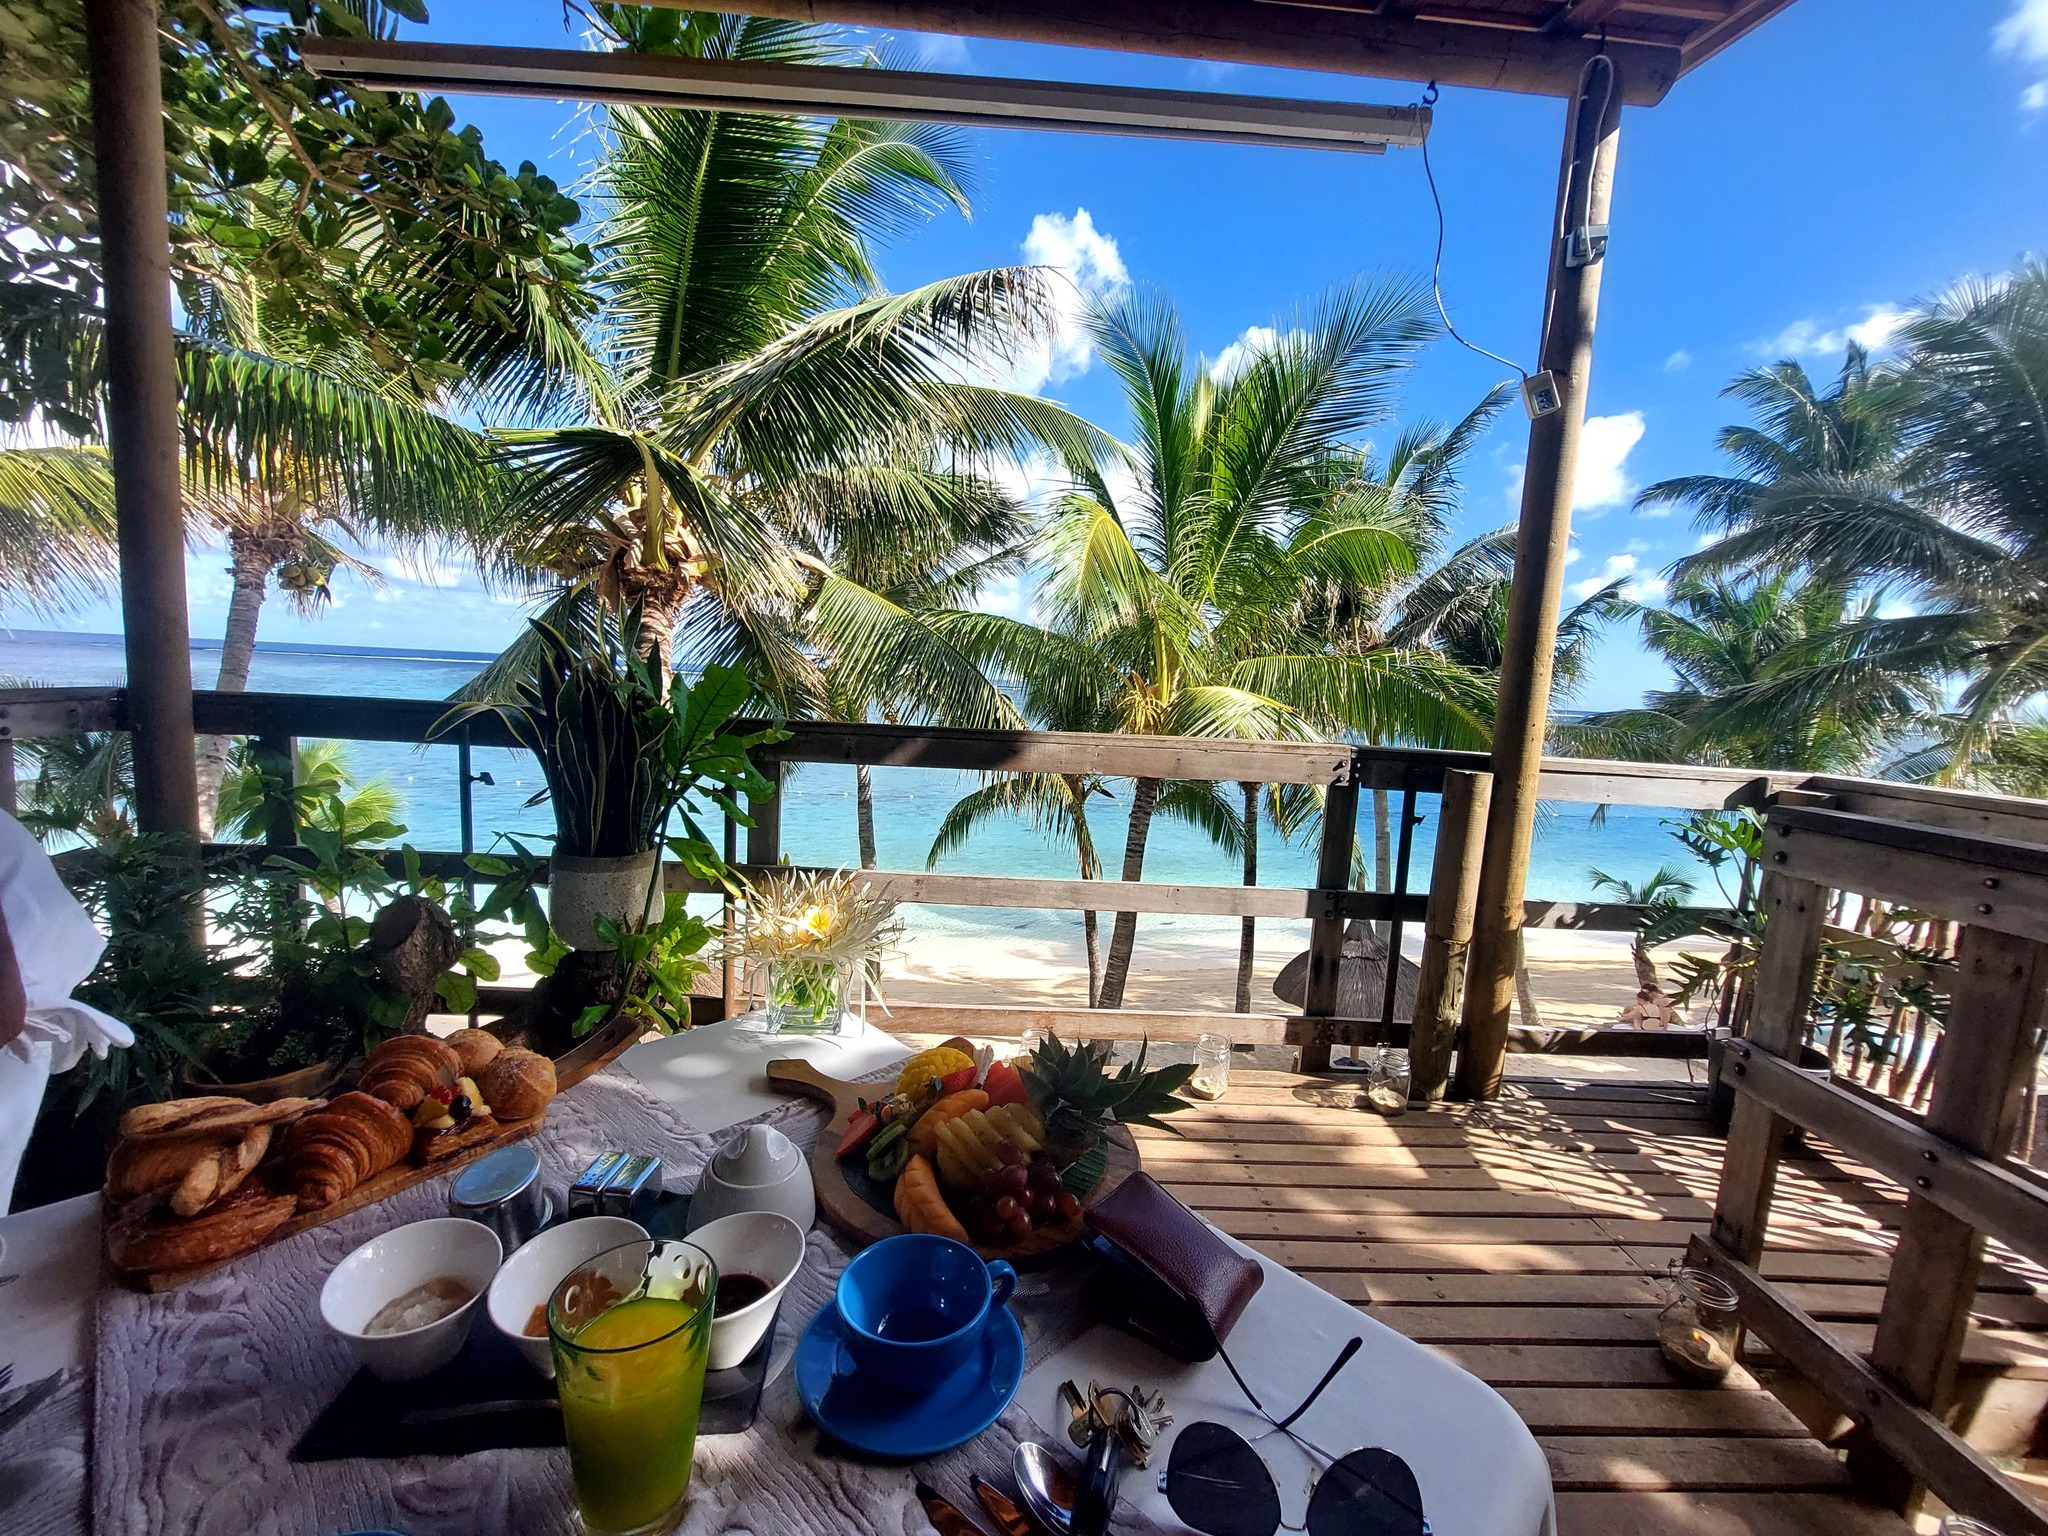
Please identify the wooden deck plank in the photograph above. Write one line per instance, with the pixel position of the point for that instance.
(1723, 1514)
(1528, 1241)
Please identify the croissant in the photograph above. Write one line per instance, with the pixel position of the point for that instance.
(354, 1138)
(518, 1085)
(404, 1070)
(476, 1048)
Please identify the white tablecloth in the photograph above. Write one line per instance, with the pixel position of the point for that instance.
(715, 1076)
(1480, 1470)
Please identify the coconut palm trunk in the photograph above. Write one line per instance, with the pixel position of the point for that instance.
(1116, 969)
(1525, 990)
(1091, 869)
(1382, 855)
(252, 559)
(1247, 928)
(864, 812)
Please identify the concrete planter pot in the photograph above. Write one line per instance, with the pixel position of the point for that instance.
(581, 889)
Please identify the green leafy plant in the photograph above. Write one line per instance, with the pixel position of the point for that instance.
(660, 964)
(181, 999)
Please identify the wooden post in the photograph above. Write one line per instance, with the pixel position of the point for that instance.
(1572, 305)
(1447, 930)
(1995, 1016)
(1326, 932)
(764, 837)
(1794, 913)
(123, 65)
(9, 799)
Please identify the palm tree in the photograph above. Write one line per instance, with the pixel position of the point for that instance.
(1662, 891)
(1954, 519)
(892, 547)
(745, 364)
(56, 526)
(1777, 672)
(1177, 601)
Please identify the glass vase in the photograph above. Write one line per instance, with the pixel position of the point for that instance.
(808, 997)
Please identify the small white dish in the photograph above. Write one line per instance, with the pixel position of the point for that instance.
(758, 1170)
(386, 1268)
(539, 1265)
(764, 1244)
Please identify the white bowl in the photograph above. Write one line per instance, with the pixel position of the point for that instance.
(760, 1169)
(539, 1265)
(385, 1268)
(764, 1244)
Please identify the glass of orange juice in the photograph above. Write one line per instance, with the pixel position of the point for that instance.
(631, 1332)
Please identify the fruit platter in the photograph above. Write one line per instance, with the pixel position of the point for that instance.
(1005, 1155)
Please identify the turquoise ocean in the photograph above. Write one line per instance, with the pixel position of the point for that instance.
(1629, 842)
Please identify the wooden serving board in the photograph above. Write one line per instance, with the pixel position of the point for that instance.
(844, 1202)
(601, 1047)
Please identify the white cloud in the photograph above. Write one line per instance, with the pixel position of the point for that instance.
(425, 569)
(1809, 338)
(1602, 478)
(940, 51)
(1638, 585)
(1253, 340)
(1088, 267)
(2025, 34)
(1678, 361)
(1573, 554)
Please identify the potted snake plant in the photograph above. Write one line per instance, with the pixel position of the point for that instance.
(622, 754)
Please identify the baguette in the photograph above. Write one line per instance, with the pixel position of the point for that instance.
(229, 1119)
(214, 1177)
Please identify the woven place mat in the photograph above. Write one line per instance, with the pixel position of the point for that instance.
(490, 1398)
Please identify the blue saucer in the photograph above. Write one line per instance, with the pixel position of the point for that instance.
(879, 1424)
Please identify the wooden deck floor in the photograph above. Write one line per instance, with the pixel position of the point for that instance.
(1527, 1240)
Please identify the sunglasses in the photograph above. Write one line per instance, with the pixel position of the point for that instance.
(1218, 1484)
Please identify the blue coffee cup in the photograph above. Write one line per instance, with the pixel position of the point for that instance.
(915, 1306)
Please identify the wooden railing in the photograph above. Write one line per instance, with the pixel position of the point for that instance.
(1961, 1186)
(1342, 773)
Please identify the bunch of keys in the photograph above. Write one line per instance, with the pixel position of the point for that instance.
(1112, 1426)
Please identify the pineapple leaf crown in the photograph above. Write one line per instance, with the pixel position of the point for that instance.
(1080, 1096)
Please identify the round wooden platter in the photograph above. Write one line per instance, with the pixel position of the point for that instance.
(860, 1212)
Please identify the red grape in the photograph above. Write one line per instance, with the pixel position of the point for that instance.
(1044, 1173)
(1008, 1151)
(1010, 1180)
(1020, 1228)
(1041, 1205)
(1069, 1206)
(1006, 1209)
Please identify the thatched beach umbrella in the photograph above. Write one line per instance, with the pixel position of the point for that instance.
(1361, 977)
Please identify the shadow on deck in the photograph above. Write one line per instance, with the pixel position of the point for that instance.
(1527, 1240)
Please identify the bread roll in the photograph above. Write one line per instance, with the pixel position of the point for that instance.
(518, 1085)
(477, 1048)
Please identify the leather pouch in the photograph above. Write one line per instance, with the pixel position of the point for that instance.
(1168, 1277)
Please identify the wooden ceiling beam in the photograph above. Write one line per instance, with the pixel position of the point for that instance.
(1745, 18)
(1383, 46)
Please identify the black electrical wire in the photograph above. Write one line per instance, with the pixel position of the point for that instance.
(1436, 275)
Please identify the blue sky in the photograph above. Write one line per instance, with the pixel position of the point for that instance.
(1849, 158)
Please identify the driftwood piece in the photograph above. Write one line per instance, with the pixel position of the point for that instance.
(412, 944)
